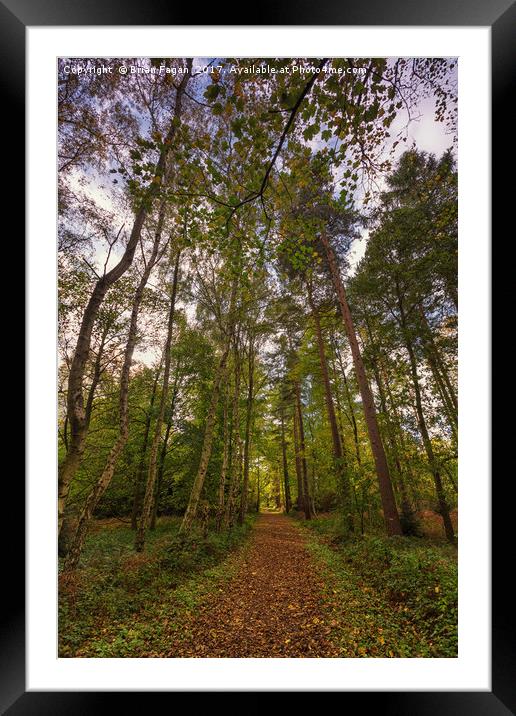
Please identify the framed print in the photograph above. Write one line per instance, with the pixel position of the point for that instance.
(269, 246)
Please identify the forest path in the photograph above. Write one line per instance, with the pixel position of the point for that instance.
(271, 608)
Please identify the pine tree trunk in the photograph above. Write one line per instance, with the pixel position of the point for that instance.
(247, 435)
(258, 488)
(235, 443)
(360, 504)
(390, 512)
(443, 507)
(393, 425)
(277, 488)
(396, 419)
(440, 373)
(286, 479)
(302, 457)
(445, 397)
(351, 407)
(300, 496)
(408, 518)
(338, 453)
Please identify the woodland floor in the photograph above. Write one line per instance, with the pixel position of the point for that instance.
(271, 608)
(280, 587)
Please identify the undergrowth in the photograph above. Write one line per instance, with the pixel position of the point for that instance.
(114, 587)
(403, 590)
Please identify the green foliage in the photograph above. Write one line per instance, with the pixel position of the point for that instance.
(404, 590)
(114, 588)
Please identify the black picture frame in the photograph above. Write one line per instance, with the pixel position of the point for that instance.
(500, 16)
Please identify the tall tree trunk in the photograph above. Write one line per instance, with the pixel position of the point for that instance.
(247, 434)
(97, 372)
(312, 484)
(396, 419)
(390, 512)
(235, 442)
(225, 464)
(338, 452)
(352, 417)
(394, 427)
(73, 556)
(75, 396)
(410, 525)
(148, 499)
(444, 395)
(440, 371)
(138, 483)
(443, 507)
(360, 503)
(161, 470)
(451, 480)
(297, 455)
(164, 446)
(277, 488)
(286, 479)
(258, 487)
(304, 470)
(351, 407)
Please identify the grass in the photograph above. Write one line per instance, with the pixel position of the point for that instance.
(119, 602)
(382, 597)
(390, 597)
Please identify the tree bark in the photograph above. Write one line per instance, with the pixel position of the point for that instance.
(277, 488)
(138, 483)
(353, 417)
(297, 455)
(235, 443)
(304, 471)
(163, 451)
(97, 372)
(148, 499)
(443, 507)
(396, 418)
(258, 488)
(338, 453)
(444, 395)
(440, 372)
(409, 522)
(286, 479)
(225, 464)
(390, 512)
(247, 434)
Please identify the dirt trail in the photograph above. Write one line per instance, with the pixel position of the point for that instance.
(272, 608)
